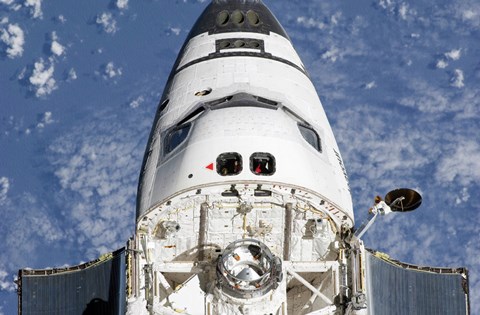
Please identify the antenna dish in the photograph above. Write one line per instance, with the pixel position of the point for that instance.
(403, 199)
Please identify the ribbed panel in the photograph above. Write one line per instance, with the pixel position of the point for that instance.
(87, 289)
(395, 288)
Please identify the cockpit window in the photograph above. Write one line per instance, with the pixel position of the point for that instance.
(229, 164)
(176, 136)
(262, 163)
(311, 137)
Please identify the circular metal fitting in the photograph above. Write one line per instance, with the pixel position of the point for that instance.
(248, 269)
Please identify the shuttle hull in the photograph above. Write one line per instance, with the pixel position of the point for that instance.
(243, 202)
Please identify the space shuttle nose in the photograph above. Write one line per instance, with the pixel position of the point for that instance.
(224, 16)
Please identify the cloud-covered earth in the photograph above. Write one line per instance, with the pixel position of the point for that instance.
(80, 82)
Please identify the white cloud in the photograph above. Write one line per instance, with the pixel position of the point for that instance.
(137, 102)
(122, 4)
(56, 48)
(107, 22)
(95, 167)
(175, 30)
(11, 4)
(45, 120)
(332, 54)
(6, 284)
(370, 85)
(42, 80)
(110, 71)
(463, 196)
(383, 149)
(72, 75)
(457, 79)
(461, 164)
(469, 12)
(310, 22)
(454, 54)
(27, 228)
(427, 98)
(394, 7)
(14, 38)
(4, 187)
(21, 74)
(441, 64)
(62, 19)
(334, 19)
(390, 161)
(36, 8)
(386, 4)
(468, 105)
(403, 10)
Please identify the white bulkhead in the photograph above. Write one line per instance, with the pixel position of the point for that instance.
(279, 103)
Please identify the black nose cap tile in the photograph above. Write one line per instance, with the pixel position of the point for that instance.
(226, 16)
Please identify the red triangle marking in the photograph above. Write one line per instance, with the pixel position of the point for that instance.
(209, 166)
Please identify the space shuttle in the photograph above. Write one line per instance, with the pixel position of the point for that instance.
(243, 203)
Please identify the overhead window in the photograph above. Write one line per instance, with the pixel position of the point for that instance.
(162, 106)
(229, 164)
(176, 136)
(311, 137)
(192, 115)
(262, 163)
